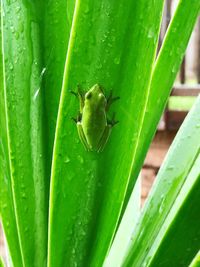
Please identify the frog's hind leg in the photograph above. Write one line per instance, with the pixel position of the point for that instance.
(104, 138)
(112, 121)
(82, 136)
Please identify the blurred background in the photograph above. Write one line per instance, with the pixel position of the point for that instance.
(184, 92)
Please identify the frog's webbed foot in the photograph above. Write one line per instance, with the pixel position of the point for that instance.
(110, 100)
(112, 122)
(80, 95)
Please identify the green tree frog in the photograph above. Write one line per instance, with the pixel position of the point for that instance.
(92, 124)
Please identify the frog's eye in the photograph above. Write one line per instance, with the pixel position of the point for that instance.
(88, 95)
(101, 96)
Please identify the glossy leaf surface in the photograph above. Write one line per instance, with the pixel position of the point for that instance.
(106, 47)
(23, 107)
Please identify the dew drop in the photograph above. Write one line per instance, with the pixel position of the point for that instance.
(18, 9)
(117, 60)
(36, 94)
(69, 177)
(170, 167)
(43, 71)
(11, 66)
(67, 159)
(21, 27)
(4, 206)
(17, 35)
(80, 159)
(151, 34)
(24, 195)
(174, 69)
(87, 9)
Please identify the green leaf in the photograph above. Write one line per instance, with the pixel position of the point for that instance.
(170, 179)
(181, 103)
(126, 228)
(7, 214)
(178, 239)
(107, 47)
(24, 121)
(163, 76)
(1, 262)
(57, 21)
(196, 261)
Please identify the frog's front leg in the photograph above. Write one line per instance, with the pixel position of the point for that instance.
(82, 136)
(104, 138)
(110, 100)
(80, 95)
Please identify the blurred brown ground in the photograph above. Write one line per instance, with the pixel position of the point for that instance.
(154, 159)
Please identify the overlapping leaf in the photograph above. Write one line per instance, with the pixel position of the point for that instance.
(177, 167)
(24, 129)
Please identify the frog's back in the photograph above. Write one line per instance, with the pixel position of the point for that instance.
(93, 126)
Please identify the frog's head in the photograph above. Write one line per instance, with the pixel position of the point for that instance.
(95, 96)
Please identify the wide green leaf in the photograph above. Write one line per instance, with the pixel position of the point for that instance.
(109, 44)
(24, 126)
(170, 179)
(163, 76)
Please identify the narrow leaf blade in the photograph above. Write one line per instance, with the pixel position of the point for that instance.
(196, 261)
(23, 104)
(163, 76)
(178, 239)
(7, 213)
(170, 179)
(126, 228)
(57, 21)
